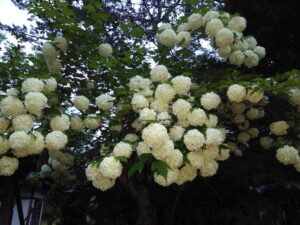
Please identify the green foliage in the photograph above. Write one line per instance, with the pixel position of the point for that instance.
(160, 167)
(139, 165)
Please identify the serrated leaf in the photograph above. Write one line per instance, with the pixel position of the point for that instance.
(122, 159)
(160, 167)
(137, 32)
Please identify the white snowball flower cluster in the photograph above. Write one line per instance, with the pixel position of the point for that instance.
(92, 121)
(146, 115)
(35, 102)
(12, 106)
(122, 149)
(254, 96)
(110, 167)
(76, 123)
(51, 52)
(142, 148)
(61, 123)
(4, 145)
(104, 102)
(184, 39)
(155, 135)
(138, 102)
(50, 85)
(194, 140)
(181, 84)
(159, 73)
(294, 96)
(81, 102)
(181, 108)
(8, 165)
(105, 50)
(56, 140)
(61, 43)
(99, 181)
(195, 21)
(32, 85)
(266, 142)
(167, 37)
(210, 100)
(164, 92)
(213, 26)
(287, 155)
(236, 93)
(279, 128)
(23, 122)
(4, 123)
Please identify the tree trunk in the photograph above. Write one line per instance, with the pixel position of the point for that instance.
(146, 211)
(8, 200)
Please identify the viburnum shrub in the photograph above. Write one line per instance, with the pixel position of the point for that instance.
(174, 124)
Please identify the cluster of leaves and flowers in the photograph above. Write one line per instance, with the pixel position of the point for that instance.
(178, 127)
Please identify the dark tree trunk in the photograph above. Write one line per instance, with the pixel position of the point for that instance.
(8, 200)
(145, 210)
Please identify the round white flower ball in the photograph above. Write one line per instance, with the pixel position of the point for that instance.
(237, 58)
(213, 26)
(32, 85)
(253, 114)
(210, 15)
(237, 24)
(147, 114)
(176, 133)
(251, 42)
(12, 106)
(142, 148)
(170, 179)
(209, 168)
(184, 38)
(174, 158)
(182, 27)
(195, 21)
(49, 52)
(251, 59)
(4, 145)
(105, 50)
(243, 137)
(238, 108)
(8, 165)
(279, 128)
(186, 173)
(294, 96)
(81, 102)
(54, 66)
(212, 121)
(194, 140)
(196, 159)
(224, 37)
(50, 85)
(260, 51)
(20, 141)
(122, 149)
(236, 93)
(35, 102)
(159, 106)
(4, 123)
(164, 26)
(224, 51)
(110, 167)
(38, 144)
(138, 102)
(239, 118)
(253, 132)
(61, 43)
(76, 123)
(214, 137)
(164, 118)
(56, 140)
(61, 123)
(104, 102)
(159, 73)
(287, 155)
(181, 108)
(197, 117)
(155, 135)
(92, 122)
(168, 37)
(181, 84)
(23, 122)
(266, 142)
(210, 100)
(254, 96)
(164, 92)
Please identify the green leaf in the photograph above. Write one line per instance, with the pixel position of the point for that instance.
(137, 32)
(139, 165)
(192, 2)
(160, 167)
(122, 159)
